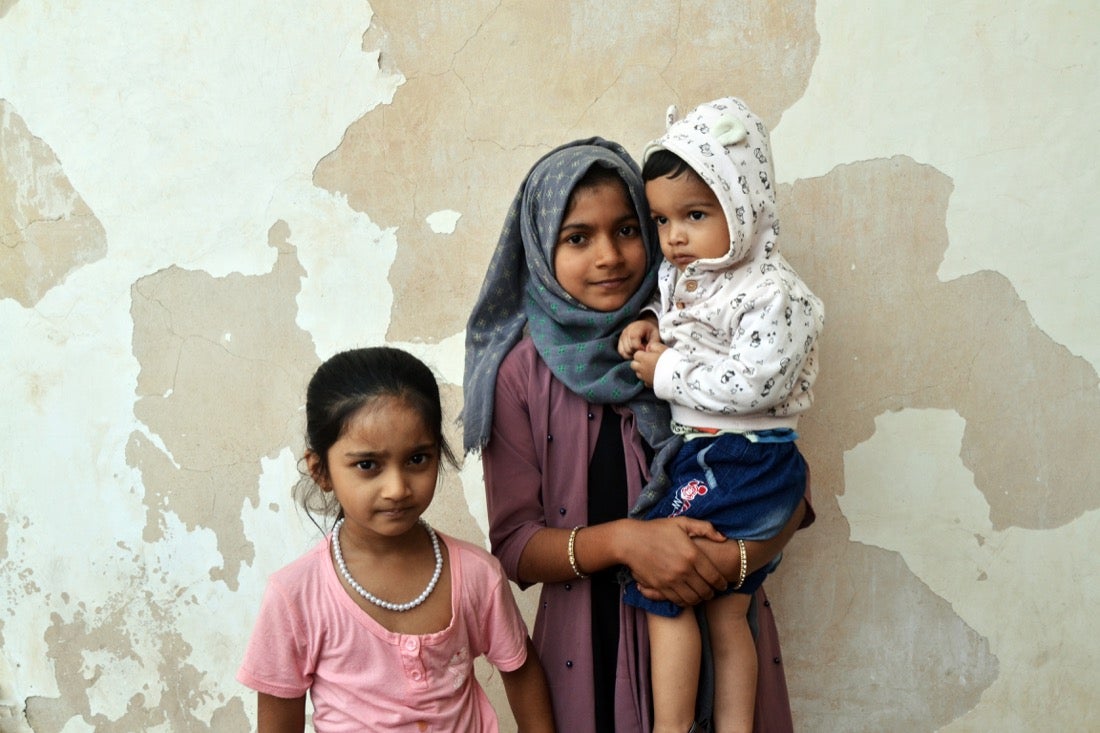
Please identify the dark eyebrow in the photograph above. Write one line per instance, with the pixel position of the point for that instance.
(577, 225)
(585, 226)
(363, 454)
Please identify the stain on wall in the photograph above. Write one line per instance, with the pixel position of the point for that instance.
(504, 82)
(46, 229)
(94, 662)
(874, 233)
(997, 97)
(985, 573)
(198, 207)
(200, 339)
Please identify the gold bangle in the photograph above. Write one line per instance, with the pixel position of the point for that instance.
(572, 556)
(741, 579)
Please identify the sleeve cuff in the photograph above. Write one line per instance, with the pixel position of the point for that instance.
(667, 365)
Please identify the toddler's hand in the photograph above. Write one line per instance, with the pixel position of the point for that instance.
(638, 336)
(644, 363)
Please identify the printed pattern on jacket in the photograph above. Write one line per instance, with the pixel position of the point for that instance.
(743, 327)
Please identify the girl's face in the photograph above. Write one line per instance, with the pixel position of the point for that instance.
(600, 258)
(383, 469)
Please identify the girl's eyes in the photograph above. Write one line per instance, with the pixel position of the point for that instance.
(417, 459)
(629, 230)
(574, 239)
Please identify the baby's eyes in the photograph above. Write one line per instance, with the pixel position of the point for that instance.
(691, 216)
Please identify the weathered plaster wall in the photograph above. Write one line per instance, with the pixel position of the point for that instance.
(199, 202)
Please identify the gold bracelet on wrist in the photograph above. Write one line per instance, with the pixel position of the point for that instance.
(572, 555)
(741, 579)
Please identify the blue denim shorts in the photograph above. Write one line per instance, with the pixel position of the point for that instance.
(748, 490)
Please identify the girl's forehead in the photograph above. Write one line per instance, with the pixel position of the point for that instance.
(386, 410)
(383, 434)
(605, 193)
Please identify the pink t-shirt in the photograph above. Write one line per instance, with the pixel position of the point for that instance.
(310, 635)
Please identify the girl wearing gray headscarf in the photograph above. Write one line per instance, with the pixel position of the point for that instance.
(568, 436)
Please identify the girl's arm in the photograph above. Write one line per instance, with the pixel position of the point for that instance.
(727, 555)
(529, 695)
(759, 554)
(280, 714)
(660, 553)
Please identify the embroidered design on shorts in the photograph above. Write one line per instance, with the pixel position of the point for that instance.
(687, 494)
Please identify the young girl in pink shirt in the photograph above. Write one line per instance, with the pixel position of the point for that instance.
(381, 621)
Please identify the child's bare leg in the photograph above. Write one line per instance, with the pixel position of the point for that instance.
(675, 649)
(734, 663)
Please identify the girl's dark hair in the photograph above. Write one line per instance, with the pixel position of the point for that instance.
(347, 382)
(665, 164)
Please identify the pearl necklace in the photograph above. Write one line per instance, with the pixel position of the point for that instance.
(399, 607)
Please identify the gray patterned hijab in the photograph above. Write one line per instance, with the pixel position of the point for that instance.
(577, 343)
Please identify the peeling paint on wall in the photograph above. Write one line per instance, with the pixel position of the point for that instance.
(184, 143)
(899, 338)
(874, 234)
(46, 229)
(1000, 97)
(199, 205)
(189, 366)
(501, 84)
(1006, 584)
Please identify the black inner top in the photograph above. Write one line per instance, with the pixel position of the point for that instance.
(607, 501)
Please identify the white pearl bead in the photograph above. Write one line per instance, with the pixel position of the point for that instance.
(388, 605)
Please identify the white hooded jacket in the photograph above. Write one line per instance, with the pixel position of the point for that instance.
(742, 328)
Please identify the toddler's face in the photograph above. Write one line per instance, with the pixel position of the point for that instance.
(689, 218)
(600, 258)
